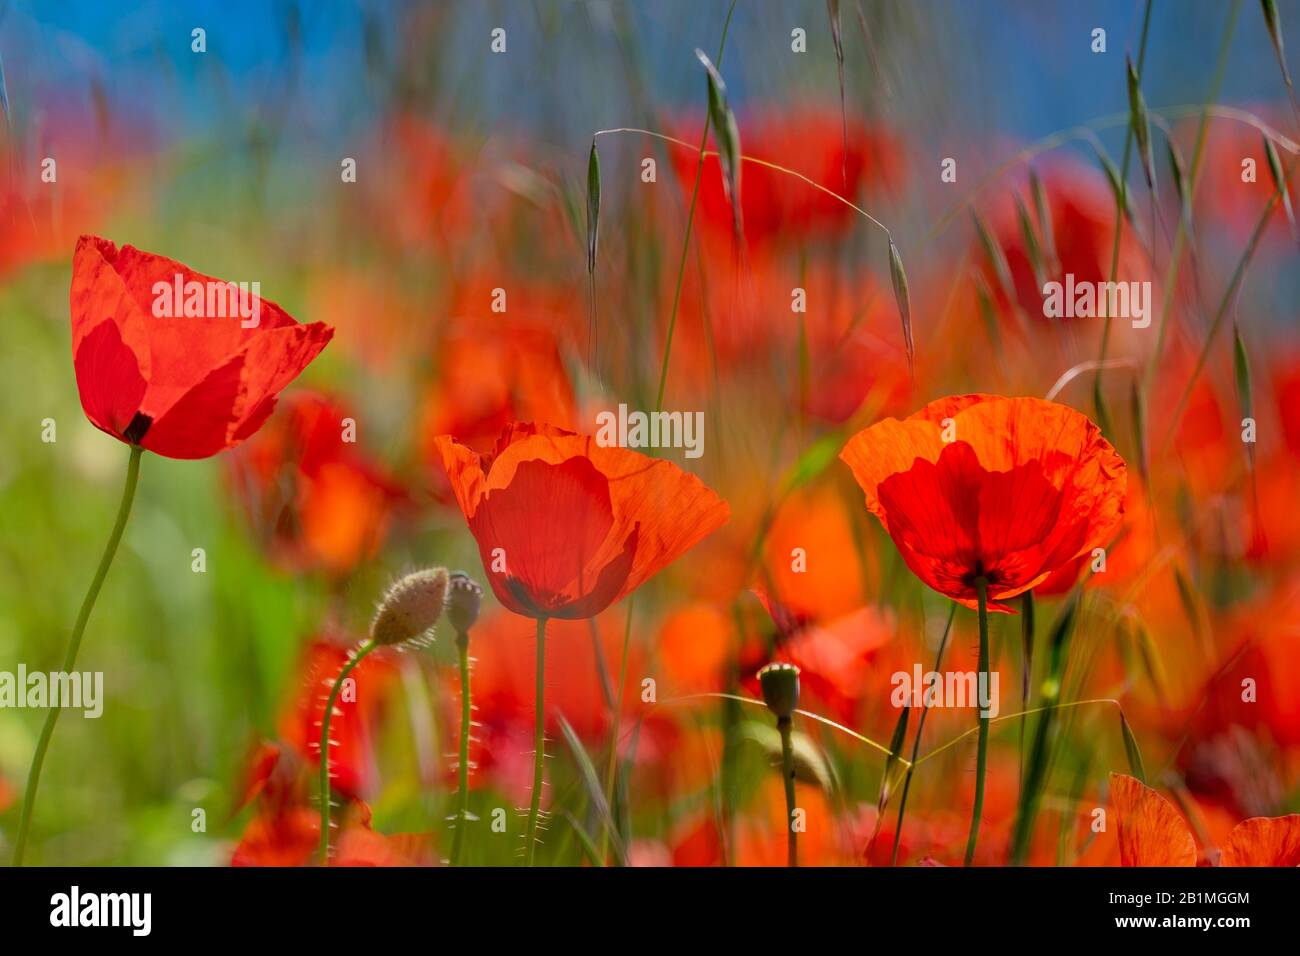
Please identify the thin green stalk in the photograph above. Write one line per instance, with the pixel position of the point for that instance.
(785, 725)
(325, 801)
(1120, 206)
(1229, 296)
(916, 743)
(1027, 654)
(690, 221)
(539, 745)
(611, 765)
(1175, 255)
(462, 787)
(981, 760)
(74, 645)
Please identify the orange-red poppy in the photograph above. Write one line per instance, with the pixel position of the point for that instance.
(1007, 489)
(566, 527)
(1153, 833)
(317, 500)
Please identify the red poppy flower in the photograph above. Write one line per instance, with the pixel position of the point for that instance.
(566, 527)
(1008, 489)
(1153, 833)
(181, 386)
(316, 498)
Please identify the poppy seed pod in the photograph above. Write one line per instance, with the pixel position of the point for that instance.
(464, 596)
(780, 683)
(410, 608)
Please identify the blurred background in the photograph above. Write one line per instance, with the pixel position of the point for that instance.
(470, 176)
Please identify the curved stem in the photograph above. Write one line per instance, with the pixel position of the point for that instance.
(74, 645)
(462, 803)
(539, 745)
(690, 220)
(981, 760)
(785, 726)
(365, 649)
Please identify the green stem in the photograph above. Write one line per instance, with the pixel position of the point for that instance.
(1175, 255)
(981, 760)
(785, 725)
(611, 766)
(348, 668)
(462, 804)
(690, 220)
(916, 743)
(74, 645)
(1120, 206)
(539, 745)
(1027, 664)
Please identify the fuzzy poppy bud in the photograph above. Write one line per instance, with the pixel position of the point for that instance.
(464, 596)
(410, 608)
(780, 683)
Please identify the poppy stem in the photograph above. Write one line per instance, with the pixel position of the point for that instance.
(539, 746)
(611, 767)
(981, 760)
(325, 803)
(462, 806)
(74, 645)
(786, 725)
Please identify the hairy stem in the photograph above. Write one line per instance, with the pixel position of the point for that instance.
(539, 746)
(981, 760)
(462, 786)
(323, 853)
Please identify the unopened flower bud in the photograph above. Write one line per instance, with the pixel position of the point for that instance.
(780, 683)
(464, 595)
(410, 608)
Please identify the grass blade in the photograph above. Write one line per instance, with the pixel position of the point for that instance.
(1241, 373)
(593, 206)
(1131, 749)
(1279, 180)
(904, 299)
(727, 134)
(1141, 123)
(592, 783)
(833, 11)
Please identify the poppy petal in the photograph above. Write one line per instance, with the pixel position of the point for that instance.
(1151, 831)
(1264, 841)
(108, 379)
(197, 425)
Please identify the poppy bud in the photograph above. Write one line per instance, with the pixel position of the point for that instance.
(464, 595)
(780, 683)
(410, 608)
